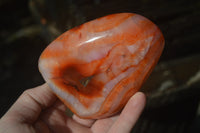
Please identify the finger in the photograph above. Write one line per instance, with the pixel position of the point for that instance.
(130, 114)
(85, 122)
(41, 127)
(29, 105)
(103, 125)
(59, 105)
(58, 121)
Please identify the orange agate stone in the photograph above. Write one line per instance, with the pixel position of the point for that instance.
(96, 67)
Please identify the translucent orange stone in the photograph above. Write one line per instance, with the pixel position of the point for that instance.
(96, 67)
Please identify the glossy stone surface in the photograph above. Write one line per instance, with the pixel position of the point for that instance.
(96, 67)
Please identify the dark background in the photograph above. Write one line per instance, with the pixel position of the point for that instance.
(28, 26)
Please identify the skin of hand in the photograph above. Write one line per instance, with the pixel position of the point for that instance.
(38, 110)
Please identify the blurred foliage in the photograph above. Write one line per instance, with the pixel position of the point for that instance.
(28, 26)
(55, 16)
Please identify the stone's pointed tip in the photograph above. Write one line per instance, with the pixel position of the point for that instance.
(95, 68)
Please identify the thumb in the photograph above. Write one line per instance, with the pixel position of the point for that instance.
(129, 114)
(30, 104)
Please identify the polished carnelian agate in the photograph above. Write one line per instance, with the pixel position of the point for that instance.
(96, 67)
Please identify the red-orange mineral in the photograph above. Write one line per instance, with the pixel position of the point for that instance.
(96, 67)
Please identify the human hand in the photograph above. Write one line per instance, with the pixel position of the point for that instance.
(38, 110)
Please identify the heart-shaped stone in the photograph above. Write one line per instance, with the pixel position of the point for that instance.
(96, 67)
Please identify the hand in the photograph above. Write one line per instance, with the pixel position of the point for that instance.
(39, 111)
